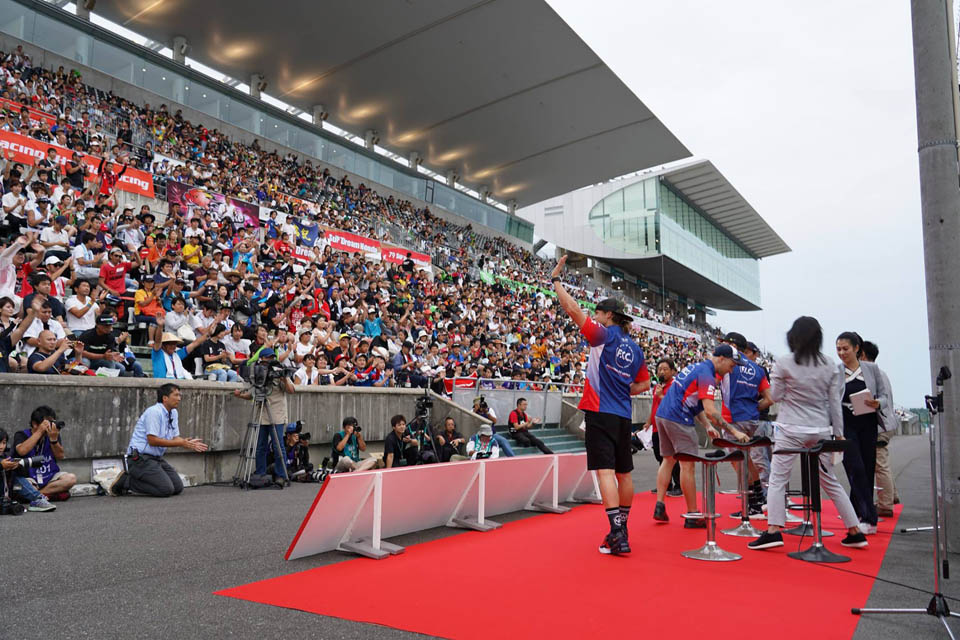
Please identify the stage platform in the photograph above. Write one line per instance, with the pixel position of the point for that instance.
(122, 567)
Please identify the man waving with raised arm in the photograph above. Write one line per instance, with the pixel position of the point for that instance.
(615, 371)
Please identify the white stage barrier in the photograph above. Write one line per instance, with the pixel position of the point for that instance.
(355, 511)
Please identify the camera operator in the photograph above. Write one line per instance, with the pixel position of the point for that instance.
(482, 445)
(482, 409)
(43, 439)
(450, 442)
(157, 429)
(270, 373)
(347, 445)
(14, 486)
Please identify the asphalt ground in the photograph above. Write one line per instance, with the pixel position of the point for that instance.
(102, 567)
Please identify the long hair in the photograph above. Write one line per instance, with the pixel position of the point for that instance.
(805, 339)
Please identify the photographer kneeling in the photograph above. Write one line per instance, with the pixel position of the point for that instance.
(347, 445)
(43, 439)
(299, 467)
(157, 429)
(13, 485)
(270, 378)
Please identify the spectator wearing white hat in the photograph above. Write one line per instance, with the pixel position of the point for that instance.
(168, 354)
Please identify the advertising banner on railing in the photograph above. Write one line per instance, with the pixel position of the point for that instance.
(343, 241)
(399, 254)
(28, 151)
(197, 201)
(36, 116)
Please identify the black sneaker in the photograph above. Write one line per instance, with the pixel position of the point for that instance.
(115, 488)
(857, 540)
(767, 540)
(674, 493)
(660, 513)
(694, 523)
(615, 544)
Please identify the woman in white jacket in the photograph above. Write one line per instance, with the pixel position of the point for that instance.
(807, 386)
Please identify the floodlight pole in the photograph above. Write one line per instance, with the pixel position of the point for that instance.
(935, 73)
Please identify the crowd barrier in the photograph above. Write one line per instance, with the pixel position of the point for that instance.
(355, 511)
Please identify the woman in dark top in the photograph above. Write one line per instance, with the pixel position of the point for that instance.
(860, 457)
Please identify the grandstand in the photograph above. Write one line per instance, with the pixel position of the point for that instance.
(384, 218)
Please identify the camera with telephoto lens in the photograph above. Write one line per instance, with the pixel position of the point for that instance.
(60, 424)
(29, 463)
(482, 406)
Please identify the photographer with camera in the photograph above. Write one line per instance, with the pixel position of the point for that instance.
(13, 486)
(347, 445)
(270, 378)
(299, 467)
(482, 445)
(157, 429)
(450, 441)
(482, 409)
(42, 439)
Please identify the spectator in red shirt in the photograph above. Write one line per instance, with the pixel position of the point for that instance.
(108, 179)
(113, 272)
(666, 369)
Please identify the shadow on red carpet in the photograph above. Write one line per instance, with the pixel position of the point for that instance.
(543, 577)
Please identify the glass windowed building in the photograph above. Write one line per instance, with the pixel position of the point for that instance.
(686, 229)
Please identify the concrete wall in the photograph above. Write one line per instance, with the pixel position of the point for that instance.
(101, 412)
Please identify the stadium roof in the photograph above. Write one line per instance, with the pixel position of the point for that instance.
(501, 91)
(703, 186)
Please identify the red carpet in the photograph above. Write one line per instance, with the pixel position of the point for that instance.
(542, 577)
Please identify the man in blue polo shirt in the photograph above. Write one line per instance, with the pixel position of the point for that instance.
(157, 430)
(690, 394)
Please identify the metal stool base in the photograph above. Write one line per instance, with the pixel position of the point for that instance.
(745, 530)
(712, 553)
(818, 553)
(806, 529)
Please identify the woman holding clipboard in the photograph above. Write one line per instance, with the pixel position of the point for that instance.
(862, 397)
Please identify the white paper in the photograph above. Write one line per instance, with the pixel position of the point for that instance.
(859, 402)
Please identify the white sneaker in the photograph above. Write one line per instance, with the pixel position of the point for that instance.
(868, 529)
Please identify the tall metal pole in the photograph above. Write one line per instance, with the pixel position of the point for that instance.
(934, 63)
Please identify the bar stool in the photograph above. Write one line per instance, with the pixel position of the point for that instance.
(745, 530)
(805, 528)
(810, 461)
(710, 551)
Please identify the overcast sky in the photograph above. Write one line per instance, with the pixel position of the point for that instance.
(808, 109)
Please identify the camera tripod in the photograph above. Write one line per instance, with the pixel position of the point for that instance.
(248, 450)
(937, 606)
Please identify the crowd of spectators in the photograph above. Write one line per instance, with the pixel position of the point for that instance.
(208, 294)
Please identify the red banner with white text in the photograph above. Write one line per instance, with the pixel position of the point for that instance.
(28, 151)
(399, 254)
(343, 241)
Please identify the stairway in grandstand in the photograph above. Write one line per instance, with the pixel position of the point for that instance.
(557, 439)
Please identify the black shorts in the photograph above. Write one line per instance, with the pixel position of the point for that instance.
(608, 442)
